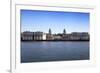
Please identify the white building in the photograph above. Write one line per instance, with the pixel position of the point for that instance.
(44, 36)
(33, 36)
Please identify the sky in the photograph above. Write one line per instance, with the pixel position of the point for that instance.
(57, 21)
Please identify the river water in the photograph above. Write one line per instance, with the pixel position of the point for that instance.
(44, 51)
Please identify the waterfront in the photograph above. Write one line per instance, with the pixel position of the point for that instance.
(54, 51)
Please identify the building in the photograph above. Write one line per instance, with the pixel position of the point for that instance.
(50, 32)
(57, 37)
(79, 36)
(27, 35)
(39, 36)
(64, 31)
(33, 36)
(66, 36)
(49, 36)
(76, 36)
(84, 36)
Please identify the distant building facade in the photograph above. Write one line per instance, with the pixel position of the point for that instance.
(57, 37)
(33, 36)
(39, 36)
(49, 36)
(76, 36)
(27, 35)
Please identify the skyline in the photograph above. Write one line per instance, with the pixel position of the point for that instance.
(36, 20)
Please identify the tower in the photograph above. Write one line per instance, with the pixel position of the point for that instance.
(64, 31)
(50, 31)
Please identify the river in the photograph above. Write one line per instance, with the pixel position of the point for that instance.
(43, 51)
